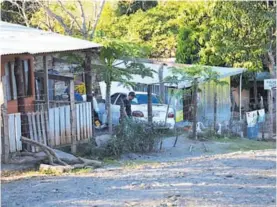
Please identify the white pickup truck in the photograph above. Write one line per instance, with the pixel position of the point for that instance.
(139, 108)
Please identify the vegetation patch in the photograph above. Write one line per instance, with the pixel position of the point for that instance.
(136, 137)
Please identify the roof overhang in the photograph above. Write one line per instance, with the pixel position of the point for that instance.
(18, 39)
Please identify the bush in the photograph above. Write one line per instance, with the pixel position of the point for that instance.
(134, 136)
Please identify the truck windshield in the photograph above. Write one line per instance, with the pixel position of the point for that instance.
(143, 99)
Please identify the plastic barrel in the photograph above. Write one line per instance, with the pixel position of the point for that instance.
(253, 132)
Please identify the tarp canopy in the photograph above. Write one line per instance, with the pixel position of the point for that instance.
(167, 71)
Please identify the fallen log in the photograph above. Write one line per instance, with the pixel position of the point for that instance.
(88, 162)
(54, 169)
(50, 152)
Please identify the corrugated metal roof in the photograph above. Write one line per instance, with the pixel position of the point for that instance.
(167, 71)
(18, 39)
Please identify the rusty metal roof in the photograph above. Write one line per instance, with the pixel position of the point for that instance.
(18, 39)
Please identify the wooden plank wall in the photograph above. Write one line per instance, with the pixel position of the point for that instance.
(15, 132)
(37, 128)
(84, 122)
(59, 125)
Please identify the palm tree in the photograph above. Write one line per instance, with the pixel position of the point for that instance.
(115, 66)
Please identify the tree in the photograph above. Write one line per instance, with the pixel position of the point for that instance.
(18, 12)
(113, 67)
(128, 7)
(78, 18)
(156, 28)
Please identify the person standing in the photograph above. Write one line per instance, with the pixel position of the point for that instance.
(126, 109)
(127, 103)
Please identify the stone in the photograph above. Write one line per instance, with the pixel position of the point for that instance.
(102, 140)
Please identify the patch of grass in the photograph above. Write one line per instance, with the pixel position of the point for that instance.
(139, 164)
(81, 170)
(110, 161)
(246, 145)
(238, 144)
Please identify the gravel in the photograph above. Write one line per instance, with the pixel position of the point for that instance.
(222, 180)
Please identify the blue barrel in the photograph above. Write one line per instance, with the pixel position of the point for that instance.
(253, 132)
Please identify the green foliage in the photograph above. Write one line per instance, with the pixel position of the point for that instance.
(130, 7)
(113, 54)
(156, 28)
(231, 33)
(41, 20)
(133, 136)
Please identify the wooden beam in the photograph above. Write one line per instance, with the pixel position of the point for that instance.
(6, 143)
(54, 76)
(73, 118)
(45, 81)
(19, 78)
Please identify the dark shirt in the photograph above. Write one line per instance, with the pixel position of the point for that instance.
(127, 105)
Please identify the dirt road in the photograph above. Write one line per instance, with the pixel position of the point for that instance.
(234, 179)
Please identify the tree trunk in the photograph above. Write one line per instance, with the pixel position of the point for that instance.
(195, 88)
(271, 65)
(149, 105)
(215, 110)
(162, 92)
(108, 107)
(167, 109)
(255, 92)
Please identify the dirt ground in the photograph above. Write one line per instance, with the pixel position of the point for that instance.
(192, 174)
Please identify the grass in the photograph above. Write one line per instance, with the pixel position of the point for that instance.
(238, 144)
(138, 164)
(246, 145)
(81, 171)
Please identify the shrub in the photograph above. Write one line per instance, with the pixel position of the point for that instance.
(134, 136)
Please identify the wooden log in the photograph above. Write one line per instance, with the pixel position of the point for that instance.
(94, 163)
(45, 148)
(54, 169)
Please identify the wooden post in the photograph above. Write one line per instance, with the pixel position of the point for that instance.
(73, 118)
(45, 86)
(6, 143)
(149, 106)
(88, 83)
(215, 108)
(195, 88)
(240, 86)
(19, 78)
(270, 112)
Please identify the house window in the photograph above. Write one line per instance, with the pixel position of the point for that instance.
(11, 87)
